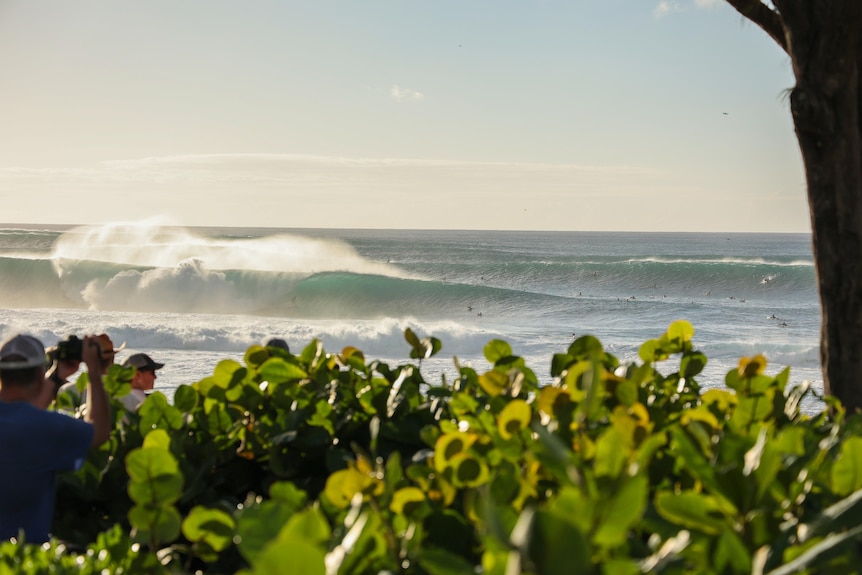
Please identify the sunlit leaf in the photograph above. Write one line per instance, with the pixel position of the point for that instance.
(847, 469)
(493, 382)
(497, 349)
(514, 417)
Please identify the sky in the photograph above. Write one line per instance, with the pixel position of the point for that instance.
(616, 115)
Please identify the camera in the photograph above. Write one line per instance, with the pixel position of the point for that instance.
(70, 349)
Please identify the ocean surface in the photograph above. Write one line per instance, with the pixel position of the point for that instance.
(193, 296)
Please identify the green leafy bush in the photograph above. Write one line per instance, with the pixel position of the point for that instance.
(329, 463)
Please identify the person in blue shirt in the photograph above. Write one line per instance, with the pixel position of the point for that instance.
(35, 444)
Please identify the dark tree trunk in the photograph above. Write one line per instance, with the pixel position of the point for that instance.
(822, 38)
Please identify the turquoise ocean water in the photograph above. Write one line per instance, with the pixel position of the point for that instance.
(193, 296)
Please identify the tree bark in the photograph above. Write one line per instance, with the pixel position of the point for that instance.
(822, 38)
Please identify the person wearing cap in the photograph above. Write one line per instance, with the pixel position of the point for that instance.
(36, 445)
(143, 381)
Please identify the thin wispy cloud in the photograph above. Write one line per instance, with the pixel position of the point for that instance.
(664, 8)
(401, 94)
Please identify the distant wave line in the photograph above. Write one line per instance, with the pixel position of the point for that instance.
(740, 261)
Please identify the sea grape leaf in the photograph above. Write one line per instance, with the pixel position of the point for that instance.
(157, 490)
(514, 417)
(556, 546)
(611, 455)
(847, 469)
(651, 351)
(309, 525)
(411, 338)
(559, 363)
(290, 558)
(160, 523)
(146, 462)
(441, 562)
(259, 525)
(627, 392)
(751, 411)
(156, 412)
(185, 398)
(621, 511)
(277, 370)
(407, 500)
(493, 382)
(226, 372)
(449, 445)
(731, 555)
(586, 347)
(573, 505)
(255, 355)
(620, 567)
(468, 470)
(497, 349)
(691, 510)
(692, 364)
(212, 527)
(287, 493)
(680, 330)
(342, 485)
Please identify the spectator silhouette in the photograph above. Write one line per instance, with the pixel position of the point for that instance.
(36, 445)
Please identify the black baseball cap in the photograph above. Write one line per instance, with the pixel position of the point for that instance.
(142, 361)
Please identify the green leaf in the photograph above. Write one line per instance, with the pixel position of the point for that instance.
(213, 527)
(493, 382)
(627, 392)
(586, 347)
(226, 372)
(651, 351)
(257, 526)
(185, 398)
(146, 462)
(407, 501)
(691, 510)
(847, 469)
(287, 493)
(468, 471)
(624, 508)
(156, 412)
(557, 547)
(157, 490)
(412, 338)
(731, 555)
(692, 364)
(160, 524)
(621, 567)
(154, 476)
(680, 330)
(573, 505)
(441, 562)
(277, 370)
(290, 558)
(309, 525)
(158, 438)
(611, 454)
(497, 349)
(255, 355)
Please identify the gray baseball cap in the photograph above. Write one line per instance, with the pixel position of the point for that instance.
(22, 351)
